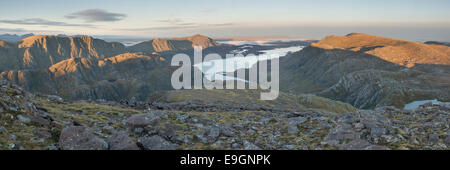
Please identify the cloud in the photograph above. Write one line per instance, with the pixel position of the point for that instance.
(39, 21)
(178, 26)
(222, 24)
(159, 28)
(16, 30)
(96, 15)
(177, 22)
(208, 11)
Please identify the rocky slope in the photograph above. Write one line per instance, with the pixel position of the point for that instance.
(120, 77)
(368, 71)
(41, 52)
(376, 88)
(48, 122)
(83, 67)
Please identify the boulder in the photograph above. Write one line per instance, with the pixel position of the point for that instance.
(142, 120)
(156, 143)
(121, 141)
(80, 138)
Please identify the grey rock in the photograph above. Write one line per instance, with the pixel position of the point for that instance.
(358, 145)
(40, 121)
(447, 141)
(24, 119)
(290, 147)
(200, 138)
(250, 146)
(377, 131)
(52, 147)
(293, 123)
(156, 143)
(376, 147)
(297, 120)
(292, 128)
(341, 132)
(109, 129)
(182, 118)
(80, 138)
(44, 134)
(227, 130)
(54, 98)
(433, 139)
(12, 137)
(122, 141)
(142, 120)
(212, 133)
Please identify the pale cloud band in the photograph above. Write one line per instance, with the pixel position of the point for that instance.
(44, 22)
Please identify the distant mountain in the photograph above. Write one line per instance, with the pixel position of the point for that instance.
(42, 51)
(369, 71)
(438, 43)
(83, 67)
(14, 37)
(174, 44)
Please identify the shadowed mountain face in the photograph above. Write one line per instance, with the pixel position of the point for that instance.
(114, 78)
(88, 68)
(368, 71)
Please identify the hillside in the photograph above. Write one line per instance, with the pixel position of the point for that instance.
(120, 77)
(404, 53)
(324, 65)
(42, 122)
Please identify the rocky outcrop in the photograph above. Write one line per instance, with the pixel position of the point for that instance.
(369, 89)
(122, 141)
(80, 138)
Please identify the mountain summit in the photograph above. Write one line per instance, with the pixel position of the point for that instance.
(183, 43)
(405, 53)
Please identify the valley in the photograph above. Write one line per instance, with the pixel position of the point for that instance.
(341, 92)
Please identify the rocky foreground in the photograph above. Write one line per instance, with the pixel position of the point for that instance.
(41, 122)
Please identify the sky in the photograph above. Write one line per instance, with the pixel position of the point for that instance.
(418, 20)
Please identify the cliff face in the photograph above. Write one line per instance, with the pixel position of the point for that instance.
(40, 52)
(114, 78)
(375, 88)
(368, 71)
(44, 51)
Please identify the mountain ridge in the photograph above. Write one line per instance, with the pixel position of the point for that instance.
(324, 68)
